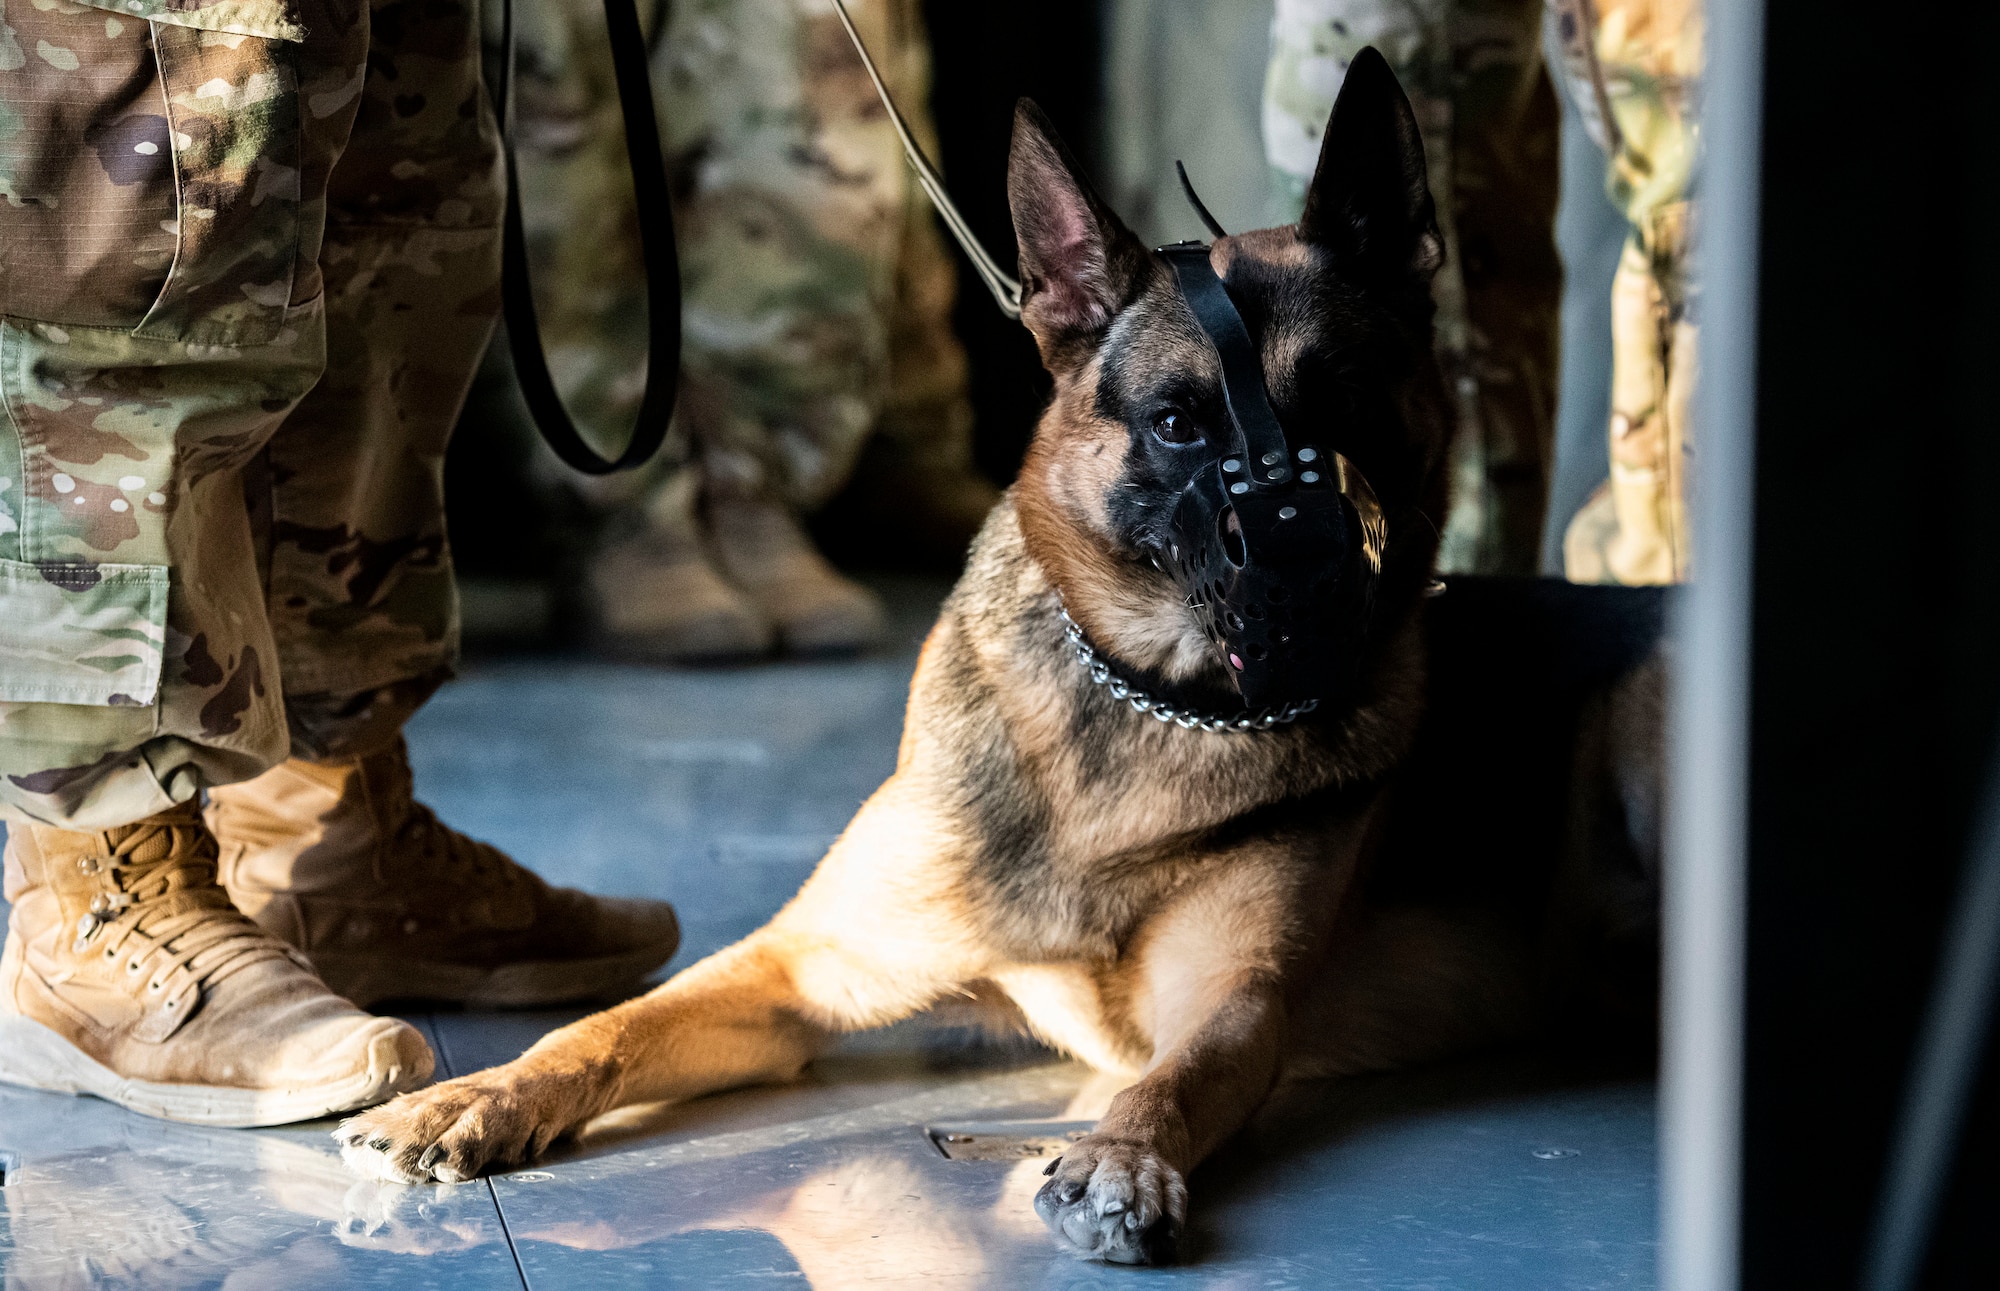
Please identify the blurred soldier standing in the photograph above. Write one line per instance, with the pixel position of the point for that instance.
(817, 314)
(1632, 67)
(248, 260)
(1474, 72)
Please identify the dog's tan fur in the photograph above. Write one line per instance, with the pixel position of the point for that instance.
(1175, 904)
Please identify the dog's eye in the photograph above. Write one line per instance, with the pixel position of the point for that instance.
(1176, 427)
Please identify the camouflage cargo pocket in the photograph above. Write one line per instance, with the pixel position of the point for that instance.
(150, 167)
(82, 633)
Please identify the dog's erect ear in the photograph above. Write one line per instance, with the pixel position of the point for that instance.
(1079, 263)
(1370, 202)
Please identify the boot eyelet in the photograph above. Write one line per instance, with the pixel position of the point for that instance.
(155, 987)
(132, 967)
(88, 864)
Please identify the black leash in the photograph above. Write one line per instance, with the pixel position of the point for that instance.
(652, 196)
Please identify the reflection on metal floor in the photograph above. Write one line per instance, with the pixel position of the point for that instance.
(719, 789)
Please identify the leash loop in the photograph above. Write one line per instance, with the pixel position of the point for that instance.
(653, 198)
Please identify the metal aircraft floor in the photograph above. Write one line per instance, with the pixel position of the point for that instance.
(720, 789)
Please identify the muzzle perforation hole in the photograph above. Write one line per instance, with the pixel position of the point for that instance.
(1229, 529)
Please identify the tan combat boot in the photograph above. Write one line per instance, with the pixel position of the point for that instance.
(390, 903)
(129, 975)
(764, 551)
(658, 600)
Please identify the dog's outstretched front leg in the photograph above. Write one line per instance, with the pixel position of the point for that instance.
(859, 946)
(1210, 989)
(1120, 1193)
(732, 1019)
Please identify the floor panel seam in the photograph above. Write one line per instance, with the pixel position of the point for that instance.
(500, 1212)
(438, 1043)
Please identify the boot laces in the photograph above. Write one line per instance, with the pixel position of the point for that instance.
(165, 911)
(444, 847)
(458, 859)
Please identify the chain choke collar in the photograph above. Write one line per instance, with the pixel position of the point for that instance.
(1160, 710)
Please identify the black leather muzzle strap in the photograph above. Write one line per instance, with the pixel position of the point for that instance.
(1258, 431)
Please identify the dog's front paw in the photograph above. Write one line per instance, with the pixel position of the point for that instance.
(451, 1132)
(1114, 1199)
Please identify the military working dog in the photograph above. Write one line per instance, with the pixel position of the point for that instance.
(1199, 908)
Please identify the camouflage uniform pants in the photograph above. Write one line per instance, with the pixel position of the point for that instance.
(248, 260)
(1474, 72)
(817, 288)
(1632, 67)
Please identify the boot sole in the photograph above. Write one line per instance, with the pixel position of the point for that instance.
(367, 981)
(37, 1057)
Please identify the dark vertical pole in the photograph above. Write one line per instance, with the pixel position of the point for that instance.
(1874, 678)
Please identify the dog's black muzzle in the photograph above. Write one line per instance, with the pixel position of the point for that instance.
(1277, 542)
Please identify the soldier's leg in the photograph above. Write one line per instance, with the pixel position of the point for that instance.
(1505, 171)
(1625, 535)
(656, 594)
(795, 190)
(330, 850)
(159, 320)
(1636, 72)
(915, 495)
(159, 315)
